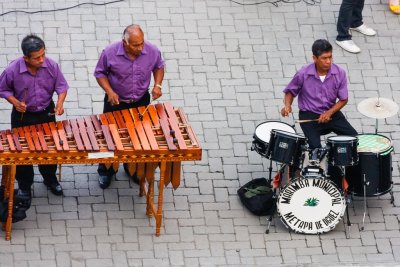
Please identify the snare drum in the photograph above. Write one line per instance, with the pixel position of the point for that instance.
(311, 205)
(262, 135)
(375, 163)
(342, 151)
(286, 147)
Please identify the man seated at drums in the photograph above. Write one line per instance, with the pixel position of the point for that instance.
(29, 83)
(322, 92)
(123, 71)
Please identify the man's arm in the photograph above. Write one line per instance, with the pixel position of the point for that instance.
(59, 109)
(111, 95)
(287, 101)
(19, 106)
(158, 75)
(327, 115)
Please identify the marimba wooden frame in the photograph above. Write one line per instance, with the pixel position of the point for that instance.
(162, 139)
(8, 181)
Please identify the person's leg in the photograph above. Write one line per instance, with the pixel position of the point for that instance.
(341, 126)
(311, 130)
(344, 20)
(24, 175)
(50, 179)
(357, 18)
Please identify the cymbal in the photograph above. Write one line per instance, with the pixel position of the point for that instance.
(378, 108)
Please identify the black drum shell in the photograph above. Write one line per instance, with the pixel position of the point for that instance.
(336, 158)
(291, 152)
(261, 146)
(378, 173)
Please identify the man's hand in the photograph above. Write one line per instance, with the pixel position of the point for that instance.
(59, 109)
(20, 106)
(112, 98)
(325, 117)
(156, 92)
(286, 110)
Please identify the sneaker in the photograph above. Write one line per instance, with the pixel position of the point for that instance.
(349, 46)
(364, 29)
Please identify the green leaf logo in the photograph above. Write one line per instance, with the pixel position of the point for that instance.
(311, 202)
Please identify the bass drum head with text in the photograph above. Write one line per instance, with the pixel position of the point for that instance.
(311, 205)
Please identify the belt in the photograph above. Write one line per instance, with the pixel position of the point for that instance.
(129, 101)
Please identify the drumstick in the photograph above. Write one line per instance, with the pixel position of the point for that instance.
(141, 115)
(23, 101)
(304, 121)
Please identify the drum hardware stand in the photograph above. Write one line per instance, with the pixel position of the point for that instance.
(392, 197)
(343, 170)
(365, 183)
(271, 216)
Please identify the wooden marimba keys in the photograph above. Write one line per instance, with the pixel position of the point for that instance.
(163, 138)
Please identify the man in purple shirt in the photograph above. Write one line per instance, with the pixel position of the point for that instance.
(29, 83)
(322, 92)
(124, 72)
(318, 86)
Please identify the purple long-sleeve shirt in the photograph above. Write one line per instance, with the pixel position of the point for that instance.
(313, 94)
(35, 90)
(130, 79)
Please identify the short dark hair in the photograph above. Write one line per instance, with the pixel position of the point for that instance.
(31, 43)
(321, 46)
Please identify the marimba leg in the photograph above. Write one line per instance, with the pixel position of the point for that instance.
(140, 170)
(163, 169)
(4, 183)
(150, 169)
(10, 179)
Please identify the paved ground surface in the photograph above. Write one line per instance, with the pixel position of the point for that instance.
(226, 65)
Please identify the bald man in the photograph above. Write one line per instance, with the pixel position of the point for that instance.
(124, 72)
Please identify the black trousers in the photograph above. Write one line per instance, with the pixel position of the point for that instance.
(350, 16)
(144, 101)
(313, 131)
(24, 173)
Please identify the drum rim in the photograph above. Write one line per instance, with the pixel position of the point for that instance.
(256, 137)
(295, 134)
(301, 232)
(351, 138)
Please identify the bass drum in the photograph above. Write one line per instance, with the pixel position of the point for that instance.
(375, 162)
(262, 135)
(311, 205)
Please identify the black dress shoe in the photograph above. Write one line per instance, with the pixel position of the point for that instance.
(23, 199)
(55, 188)
(105, 180)
(134, 177)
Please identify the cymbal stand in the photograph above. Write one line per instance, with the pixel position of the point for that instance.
(376, 126)
(365, 184)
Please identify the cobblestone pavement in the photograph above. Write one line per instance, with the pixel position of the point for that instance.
(226, 65)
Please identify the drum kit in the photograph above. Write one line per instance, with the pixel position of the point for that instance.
(311, 202)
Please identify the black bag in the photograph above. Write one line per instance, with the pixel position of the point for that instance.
(19, 208)
(258, 197)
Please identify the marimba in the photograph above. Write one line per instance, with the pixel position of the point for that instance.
(162, 137)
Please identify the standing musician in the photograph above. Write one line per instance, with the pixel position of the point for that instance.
(322, 92)
(124, 72)
(29, 83)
